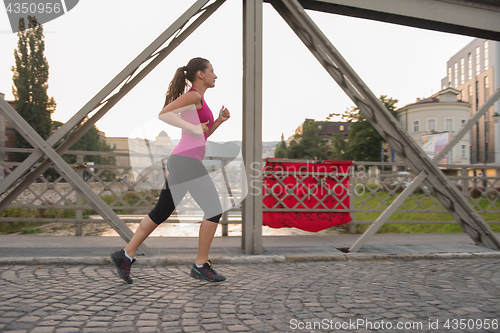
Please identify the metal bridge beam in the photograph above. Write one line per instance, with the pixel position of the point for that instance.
(479, 18)
(251, 240)
(385, 123)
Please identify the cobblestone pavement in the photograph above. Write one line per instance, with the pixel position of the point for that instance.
(288, 297)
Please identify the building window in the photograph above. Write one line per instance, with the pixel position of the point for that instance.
(477, 95)
(431, 125)
(450, 154)
(486, 88)
(449, 76)
(461, 96)
(449, 124)
(478, 61)
(462, 71)
(469, 92)
(114, 145)
(463, 122)
(463, 151)
(469, 66)
(416, 126)
(341, 128)
(486, 56)
(456, 74)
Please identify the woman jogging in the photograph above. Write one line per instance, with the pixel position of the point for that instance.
(190, 112)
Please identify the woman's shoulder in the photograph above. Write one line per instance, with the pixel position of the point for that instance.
(192, 97)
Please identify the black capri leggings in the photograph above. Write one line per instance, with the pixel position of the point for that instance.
(187, 174)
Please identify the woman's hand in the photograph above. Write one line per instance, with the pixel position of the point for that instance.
(224, 114)
(200, 129)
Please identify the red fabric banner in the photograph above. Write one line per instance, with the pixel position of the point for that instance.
(325, 187)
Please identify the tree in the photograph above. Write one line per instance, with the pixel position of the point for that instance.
(309, 145)
(338, 147)
(31, 74)
(90, 141)
(281, 150)
(364, 143)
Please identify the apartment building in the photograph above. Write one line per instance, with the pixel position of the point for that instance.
(474, 71)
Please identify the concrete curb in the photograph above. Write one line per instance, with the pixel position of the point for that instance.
(249, 259)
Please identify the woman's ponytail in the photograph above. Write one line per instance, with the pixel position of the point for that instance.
(182, 77)
(176, 86)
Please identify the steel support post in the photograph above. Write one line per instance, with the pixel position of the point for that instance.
(385, 123)
(251, 240)
(373, 228)
(124, 78)
(79, 199)
(67, 172)
(225, 198)
(352, 194)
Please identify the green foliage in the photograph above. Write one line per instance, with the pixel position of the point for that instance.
(281, 149)
(28, 230)
(309, 145)
(418, 202)
(339, 147)
(419, 228)
(364, 143)
(90, 141)
(31, 74)
(7, 227)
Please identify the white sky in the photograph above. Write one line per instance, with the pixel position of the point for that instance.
(92, 43)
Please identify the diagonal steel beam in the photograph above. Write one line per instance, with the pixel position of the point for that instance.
(385, 123)
(468, 126)
(373, 228)
(71, 176)
(98, 100)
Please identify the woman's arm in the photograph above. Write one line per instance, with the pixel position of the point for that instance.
(224, 115)
(170, 113)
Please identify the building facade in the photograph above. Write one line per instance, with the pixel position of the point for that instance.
(475, 72)
(433, 121)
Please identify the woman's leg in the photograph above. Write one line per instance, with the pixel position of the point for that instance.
(146, 227)
(193, 176)
(170, 197)
(205, 194)
(207, 233)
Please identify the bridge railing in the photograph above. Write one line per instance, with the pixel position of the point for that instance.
(372, 188)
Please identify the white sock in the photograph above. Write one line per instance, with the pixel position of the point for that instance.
(126, 255)
(199, 266)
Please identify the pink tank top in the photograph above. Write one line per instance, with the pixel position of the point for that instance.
(192, 145)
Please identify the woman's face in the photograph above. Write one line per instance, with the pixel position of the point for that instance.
(208, 77)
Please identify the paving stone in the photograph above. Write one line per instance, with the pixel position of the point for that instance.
(212, 327)
(43, 330)
(238, 328)
(96, 324)
(147, 329)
